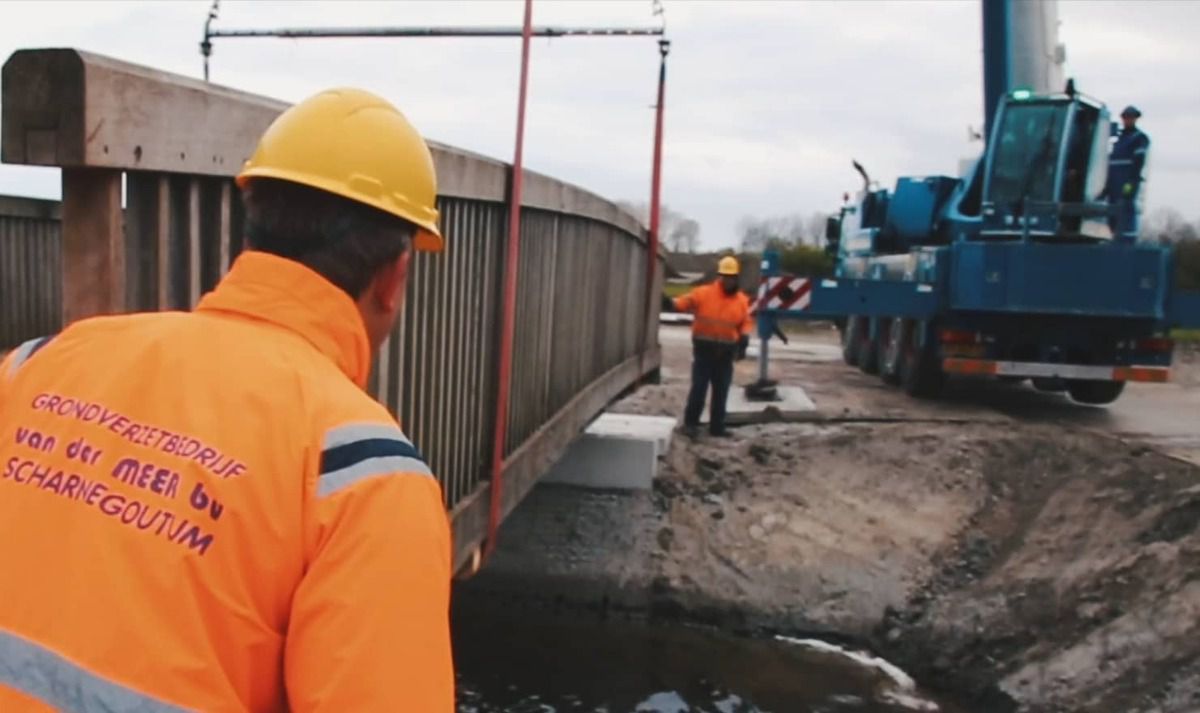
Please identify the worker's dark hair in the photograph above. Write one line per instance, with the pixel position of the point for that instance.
(342, 240)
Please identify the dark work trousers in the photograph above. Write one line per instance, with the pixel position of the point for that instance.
(1123, 219)
(712, 362)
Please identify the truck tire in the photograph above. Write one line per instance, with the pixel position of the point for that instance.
(868, 347)
(920, 373)
(851, 340)
(1048, 385)
(1094, 393)
(891, 350)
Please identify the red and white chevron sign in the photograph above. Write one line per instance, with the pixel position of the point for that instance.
(791, 293)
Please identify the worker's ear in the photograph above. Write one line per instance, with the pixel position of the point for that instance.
(387, 289)
(381, 302)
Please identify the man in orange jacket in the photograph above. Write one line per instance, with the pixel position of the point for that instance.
(205, 511)
(720, 333)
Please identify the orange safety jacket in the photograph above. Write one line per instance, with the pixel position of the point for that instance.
(718, 317)
(205, 511)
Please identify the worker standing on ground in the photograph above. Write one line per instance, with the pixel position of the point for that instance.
(720, 334)
(1125, 165)
(205, 511)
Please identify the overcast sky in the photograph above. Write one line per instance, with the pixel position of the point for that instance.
(767, 102)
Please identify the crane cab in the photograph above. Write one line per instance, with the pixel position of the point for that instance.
(1045, 167)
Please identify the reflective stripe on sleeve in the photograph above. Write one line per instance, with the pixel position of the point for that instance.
(39, 672)
(359, 451)
(22, 353)
(354, 432)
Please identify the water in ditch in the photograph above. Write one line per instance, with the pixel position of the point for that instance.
(529, 662)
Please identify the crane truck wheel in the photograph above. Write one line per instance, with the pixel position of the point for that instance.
(852, 339)
(868, 346)
(1094, 393)
(890, 350)
(920, 373)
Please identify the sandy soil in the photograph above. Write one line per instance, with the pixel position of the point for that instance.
(1020, 565)
(1186, 371)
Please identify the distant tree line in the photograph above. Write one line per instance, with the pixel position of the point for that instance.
(678, 233)
(799, 239)
(1167, 226)
(757, 234)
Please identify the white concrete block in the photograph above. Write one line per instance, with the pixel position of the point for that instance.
(615, 452)
(606, 462)
(660, 429)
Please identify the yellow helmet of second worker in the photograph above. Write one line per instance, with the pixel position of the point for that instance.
(356, 145)
(728, 266)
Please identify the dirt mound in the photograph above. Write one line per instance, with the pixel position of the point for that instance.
(1076, 587)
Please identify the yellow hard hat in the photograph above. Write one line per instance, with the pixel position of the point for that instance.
(356, 145)
(728, 266)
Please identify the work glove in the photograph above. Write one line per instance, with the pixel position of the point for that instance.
(1127, 190)
(743, 343)
(668, 305)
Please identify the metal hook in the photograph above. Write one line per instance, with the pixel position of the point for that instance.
(206, 43)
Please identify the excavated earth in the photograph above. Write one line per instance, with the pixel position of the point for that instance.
(1012, 564)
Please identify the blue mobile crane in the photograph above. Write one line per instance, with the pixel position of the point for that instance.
(1010, 271)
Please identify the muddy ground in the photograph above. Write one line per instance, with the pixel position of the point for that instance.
(1017, 565)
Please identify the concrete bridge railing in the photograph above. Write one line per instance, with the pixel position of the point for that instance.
(150, 219)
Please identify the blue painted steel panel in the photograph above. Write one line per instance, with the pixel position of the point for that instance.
(913, 210)
(922, 297)
(834, 298)
(1184, 310)
(1039, 278)
(873, 298)
(997, 56)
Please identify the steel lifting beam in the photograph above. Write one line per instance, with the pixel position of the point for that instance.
(838, 297)
(304, 32)
(206, 45)
(298, 33)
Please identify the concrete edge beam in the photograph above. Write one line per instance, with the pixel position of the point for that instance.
(68, 108)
